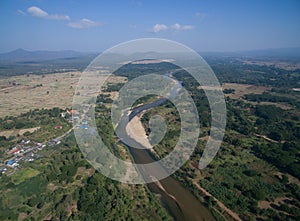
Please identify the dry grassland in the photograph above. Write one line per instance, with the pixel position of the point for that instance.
(20, 94)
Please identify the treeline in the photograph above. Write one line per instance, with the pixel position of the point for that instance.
(132, 71)
(198, 96)
(104, 98)
(266, 96)
(277, 124)
(13, 68)
(113, 87)
(33, 118)
(233, 70)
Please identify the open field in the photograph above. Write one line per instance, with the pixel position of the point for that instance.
(242, 89)
(287, 65)
(15, 132)
(21, 175)
(20, 94)
(23, 93)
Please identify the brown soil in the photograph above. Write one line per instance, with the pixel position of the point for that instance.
(15, 132)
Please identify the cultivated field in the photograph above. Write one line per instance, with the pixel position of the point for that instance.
(20, 94)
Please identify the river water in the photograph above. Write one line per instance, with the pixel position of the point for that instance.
(179, 202)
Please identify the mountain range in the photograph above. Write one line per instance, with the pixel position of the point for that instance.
(21, 55)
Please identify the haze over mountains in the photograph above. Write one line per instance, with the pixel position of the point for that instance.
(21, 55)
(21, 61)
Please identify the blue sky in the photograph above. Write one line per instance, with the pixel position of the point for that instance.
(203, 25)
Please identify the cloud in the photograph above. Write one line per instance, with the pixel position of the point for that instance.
(177, 27)
(37, 12)
(40, 13)
(83, 23)
(159, 27)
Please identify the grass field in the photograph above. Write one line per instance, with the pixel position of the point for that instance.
(24, 174)
(21, 93)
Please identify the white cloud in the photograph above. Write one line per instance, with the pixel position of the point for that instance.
(178, 27)
(159, 27)
(83, 23)
(59, 17)
(37, 12)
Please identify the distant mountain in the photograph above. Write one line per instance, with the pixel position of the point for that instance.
(21, 55)
(273, 53)
(21, 61)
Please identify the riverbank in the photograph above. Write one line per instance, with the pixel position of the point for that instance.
(136, 131)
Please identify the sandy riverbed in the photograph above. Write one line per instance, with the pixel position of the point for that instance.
(137, 132)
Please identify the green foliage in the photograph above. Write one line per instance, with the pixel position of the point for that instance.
(104, 98)
(95, 196)
(282, 156)
(266, 96)
(132, 71)
(232, 69)
(228, 91)
(113, 87)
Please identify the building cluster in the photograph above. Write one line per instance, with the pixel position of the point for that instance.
(24, 151)
(27, 150)
(80, 120)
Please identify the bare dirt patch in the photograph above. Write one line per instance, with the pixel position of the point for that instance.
(52, 186)
(280, 105)
(82, 171)
(15, 132)
(291, 178)
(264, 204)
(267, 205)
(22, 216)
(242, 89)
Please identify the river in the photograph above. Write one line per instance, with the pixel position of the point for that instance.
(179, 202)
